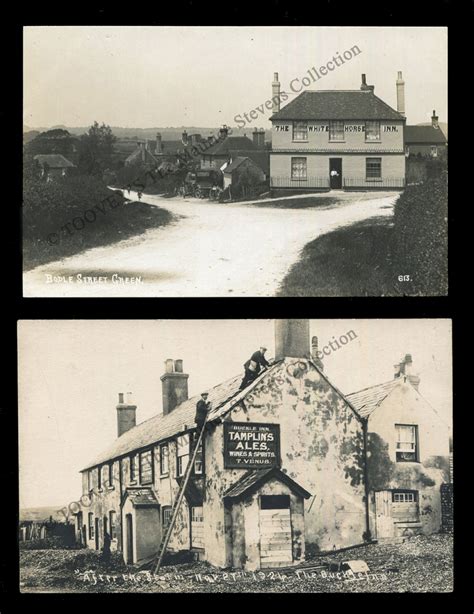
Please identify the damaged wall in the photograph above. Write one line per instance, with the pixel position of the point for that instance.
(321, 449)
(406, 406)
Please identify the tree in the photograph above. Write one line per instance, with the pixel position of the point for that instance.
(96, 149)
(31, 167)
(52, 141)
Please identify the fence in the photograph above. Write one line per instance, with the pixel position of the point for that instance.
(349, 183)
(374, 184)
(321, 183)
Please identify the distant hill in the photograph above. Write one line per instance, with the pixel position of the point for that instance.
(40, 514)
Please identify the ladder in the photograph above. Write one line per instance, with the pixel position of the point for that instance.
(179, 499)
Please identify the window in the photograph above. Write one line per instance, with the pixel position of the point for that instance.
(405, 506)
(99, 478)
(372, 131)
(336, 131)
(274, 502)
(373, 168)
(113, 524)
(166, 516)
(198, 461)
(110, 480)
(146, 467)
(91, 525)
(404, 496)
(182, 454)
(298, 168)
(300, 131)
(406, 447)
(133, 468)
(164, 459)
(89, 481)
(434, 151)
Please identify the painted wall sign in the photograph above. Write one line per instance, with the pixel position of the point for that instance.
(251, 446)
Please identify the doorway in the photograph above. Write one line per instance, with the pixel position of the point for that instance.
(97, 534)
(129, 525)
(335, 173)
(275, 531)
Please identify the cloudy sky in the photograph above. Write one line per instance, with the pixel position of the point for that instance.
(71, 372)
(204, 76)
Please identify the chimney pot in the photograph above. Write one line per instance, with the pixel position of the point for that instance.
(292, 339)
(121, 397)
(434, 120)
(169, 365)
(364, 82)
(178, 366)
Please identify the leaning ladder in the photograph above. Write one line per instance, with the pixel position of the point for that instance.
(179, 499)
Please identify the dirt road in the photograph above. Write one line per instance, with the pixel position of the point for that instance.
(210, 250)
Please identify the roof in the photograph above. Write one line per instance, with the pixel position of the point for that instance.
(367, 400)
(136, 157)
(223, 148)
(140, 496)
(261, 157)
(54, 160)
(251, 481)
(424, 134)
(161, 427)
(236, 162)
(337, 104)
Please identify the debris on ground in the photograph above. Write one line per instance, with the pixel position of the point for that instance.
(419, 564)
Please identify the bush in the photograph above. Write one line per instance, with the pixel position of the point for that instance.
(420, 234)
(48, 543)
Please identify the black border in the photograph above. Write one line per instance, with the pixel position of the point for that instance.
(274, 12)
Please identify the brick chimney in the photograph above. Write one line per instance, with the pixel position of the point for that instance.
(364, 87)
(159, 144)
(126, 414)
(223, 132)
(405, 369)
(174, 384)
(275, 93)
(434, 120)
(314, 353)
(292, 339)
(400, 94)
(259, 138)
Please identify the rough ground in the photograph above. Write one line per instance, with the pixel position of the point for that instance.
(211, 249)
(419, 564)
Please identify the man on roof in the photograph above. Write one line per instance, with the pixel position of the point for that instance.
(202, 408)
(253, 366)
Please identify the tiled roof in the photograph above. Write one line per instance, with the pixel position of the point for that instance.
(224, 147)
(140, 496)
(236, 162)
(367, 400)
(424, 134)
(261, 157)
(337, 104)
(160, 427)
(253, 479)
(54, 160)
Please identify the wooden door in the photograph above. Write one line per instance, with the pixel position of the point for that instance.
(383, 514)
(129, 551)
(275, 531)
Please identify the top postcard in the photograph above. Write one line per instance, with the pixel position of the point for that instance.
(234, 161)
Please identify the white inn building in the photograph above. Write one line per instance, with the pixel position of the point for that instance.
(337, 139)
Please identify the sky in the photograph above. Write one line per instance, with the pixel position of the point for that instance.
(71, 371)
(134, 76)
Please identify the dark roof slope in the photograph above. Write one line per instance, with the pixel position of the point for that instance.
(337, 104)
(222, 148)
(236, 162)
(261, 157)
(367, 400)
(251, 480)
(424, 135)
(161, 427)
(54, 160)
